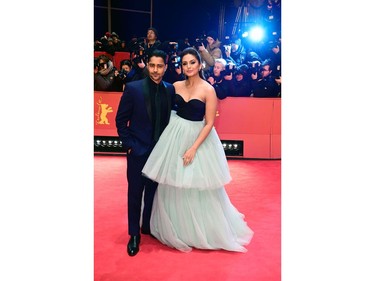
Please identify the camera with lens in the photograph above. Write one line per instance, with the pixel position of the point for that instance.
(254, 67)
(242, 69)
(174, 62)
(122, 74)
(139, 55)
(136, 44)
(138, 50)
(199, 42)
(229, 69)
(102, 65)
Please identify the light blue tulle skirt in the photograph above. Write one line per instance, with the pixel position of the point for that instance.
(191, 208)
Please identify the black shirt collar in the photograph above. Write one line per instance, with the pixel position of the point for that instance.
(153, 85)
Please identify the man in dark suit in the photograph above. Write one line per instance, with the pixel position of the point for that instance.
(142, 115)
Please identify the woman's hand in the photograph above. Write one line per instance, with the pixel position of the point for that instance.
(189, 156)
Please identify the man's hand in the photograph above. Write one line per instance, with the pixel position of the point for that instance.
(211, 80)
(201, 48)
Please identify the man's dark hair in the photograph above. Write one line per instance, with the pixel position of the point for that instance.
(158, 53)
(103, 57)
(126, 62)
(155, 31)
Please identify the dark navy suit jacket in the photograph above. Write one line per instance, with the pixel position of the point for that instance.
(133, 119)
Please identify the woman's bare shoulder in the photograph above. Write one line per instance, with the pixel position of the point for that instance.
(178, 83)
(208, 86)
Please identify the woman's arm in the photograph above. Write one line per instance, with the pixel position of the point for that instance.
(211, 106)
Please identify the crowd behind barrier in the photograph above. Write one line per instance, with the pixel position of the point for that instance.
(233, 66)
(256, 122)
(233, 73)
(249, 70)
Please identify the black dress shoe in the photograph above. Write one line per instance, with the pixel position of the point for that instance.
(133, 245)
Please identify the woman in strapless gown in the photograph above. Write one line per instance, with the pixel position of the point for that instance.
(191, 208)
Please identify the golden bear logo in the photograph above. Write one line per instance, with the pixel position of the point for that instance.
(103, 110)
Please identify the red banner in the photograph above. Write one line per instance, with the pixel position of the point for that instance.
(255, 121)
(105, 109)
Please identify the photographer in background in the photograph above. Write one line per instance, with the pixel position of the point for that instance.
(104, 75)
(264, 83)
(185, 44)
(275, 56)
(275, 59)
(137, 53)
(174, 71)
(116, 42)
(151, 42)
(253, 61)
(220, 78)
(142, 47)
(209, 53)
(235, 52)
(240, 86)
(128, 73)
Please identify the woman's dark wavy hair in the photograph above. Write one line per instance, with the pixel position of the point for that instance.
(192, 51)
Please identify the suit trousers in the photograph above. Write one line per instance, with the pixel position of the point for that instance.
(137, 184)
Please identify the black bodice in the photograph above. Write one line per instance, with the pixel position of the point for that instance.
(192, 110)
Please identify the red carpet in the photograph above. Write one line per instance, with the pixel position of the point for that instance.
(255, 191)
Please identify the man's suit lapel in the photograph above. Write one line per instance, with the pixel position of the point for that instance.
(146, 94)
